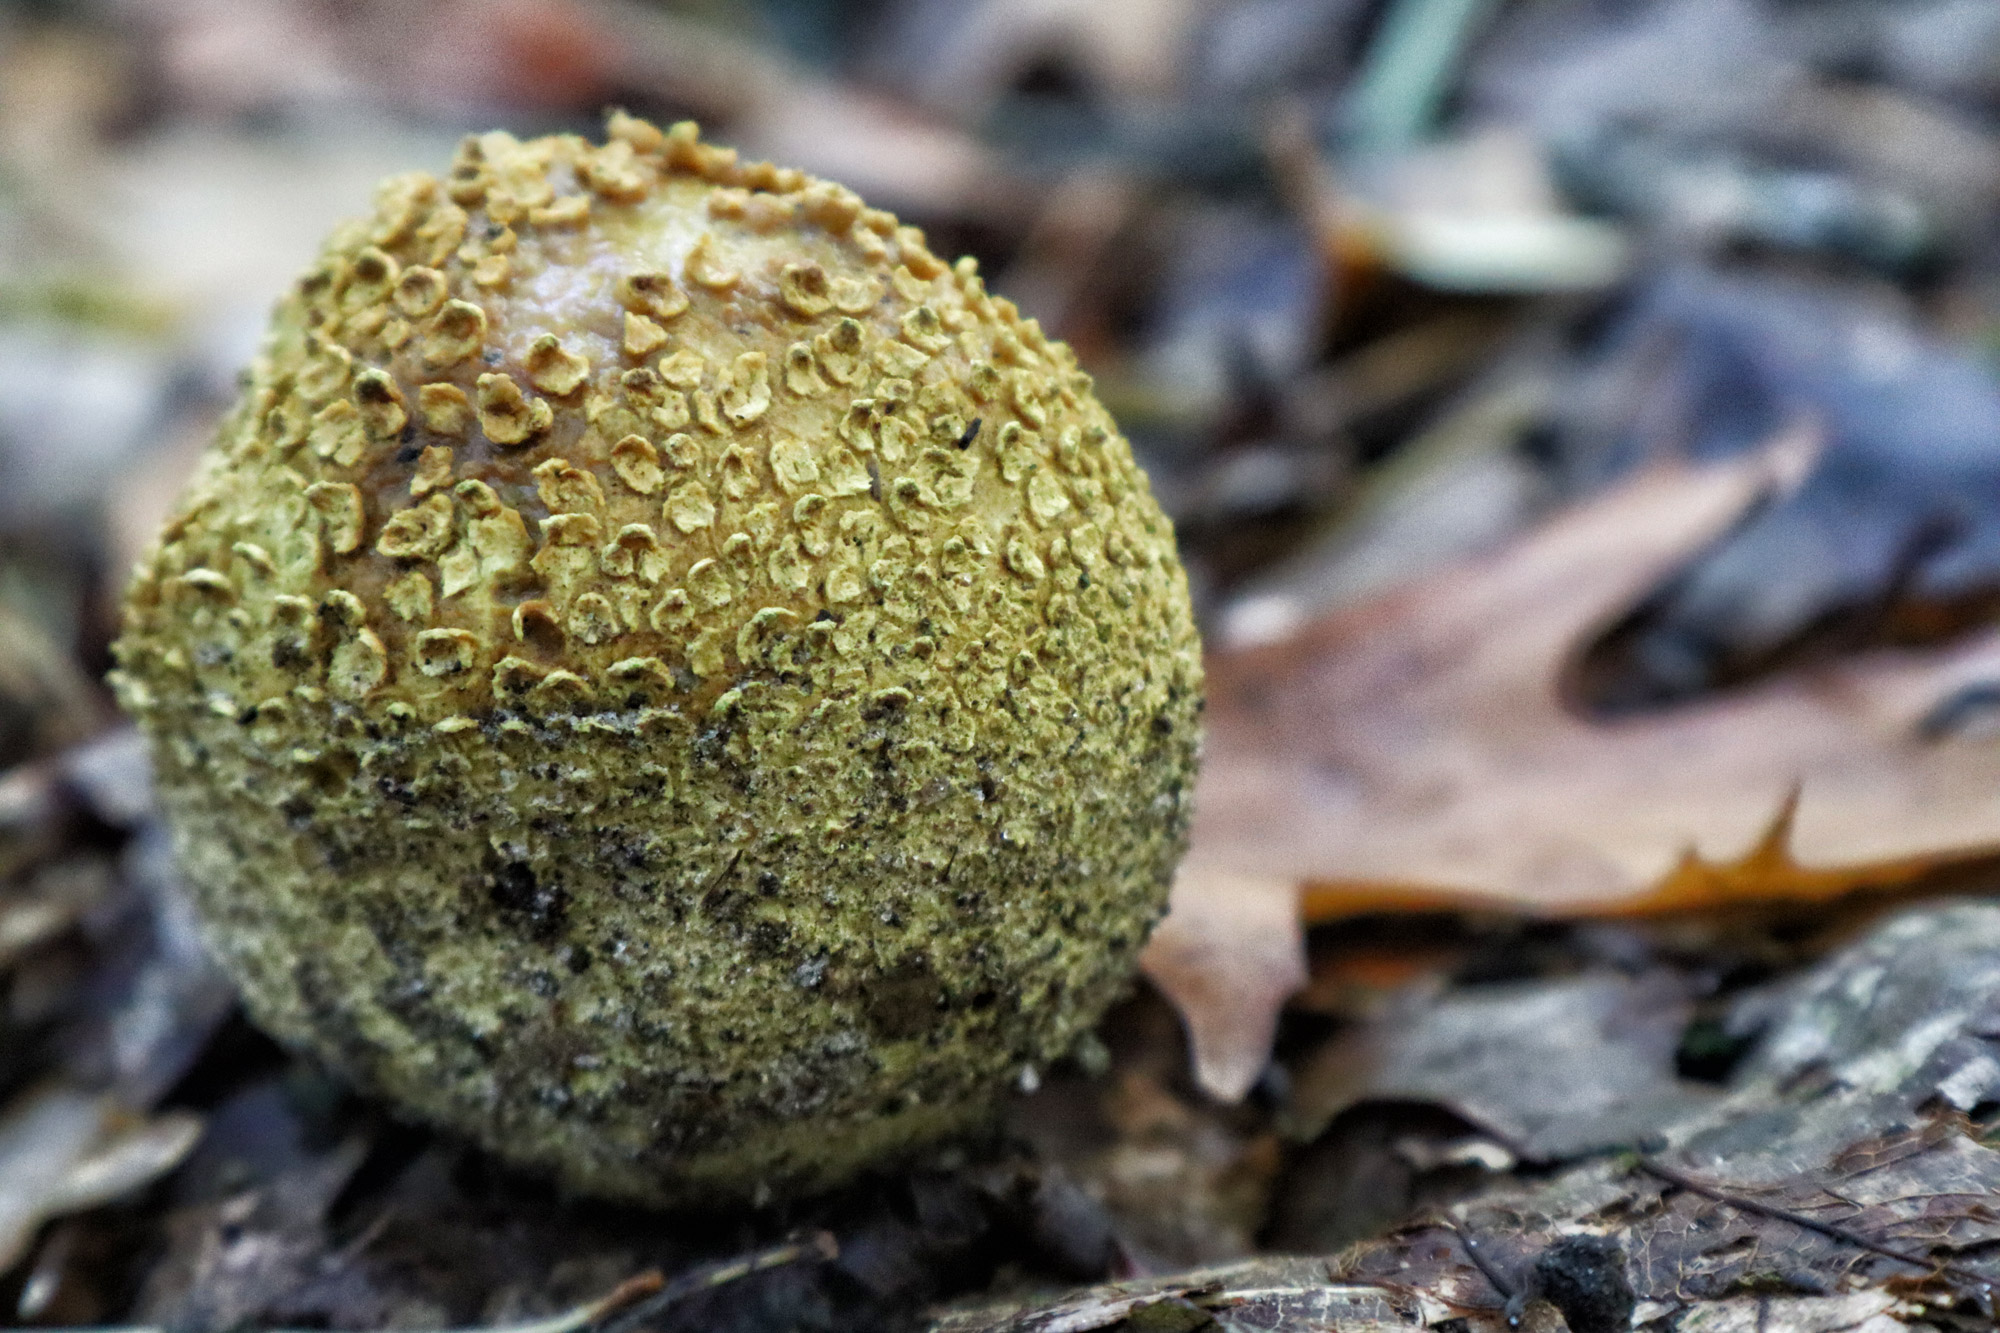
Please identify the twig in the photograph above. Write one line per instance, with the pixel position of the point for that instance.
(1512, 1295)
(1831, 1230)
(820, 1246)
(1501, 1282)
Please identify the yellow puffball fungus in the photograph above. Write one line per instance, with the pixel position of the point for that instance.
(665, 676)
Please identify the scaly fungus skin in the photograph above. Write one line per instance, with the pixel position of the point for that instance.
(662, 674)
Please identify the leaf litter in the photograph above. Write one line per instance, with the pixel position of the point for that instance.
(1844, 1174)
(1566, 633)
(1418, 749)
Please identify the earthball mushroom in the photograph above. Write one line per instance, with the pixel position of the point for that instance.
(663, 675)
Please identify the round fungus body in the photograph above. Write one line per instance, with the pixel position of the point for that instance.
(663, 675)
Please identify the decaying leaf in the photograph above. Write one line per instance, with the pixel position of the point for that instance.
(62, 1151)
(1262, 1294)
(1553, 1068)
(1838, 1158)
(1888, 536)
(1139, 1173)
(1842, 1179)
(1228, 955)
(1422, 740)
(1418, 748)
(1854, 1312)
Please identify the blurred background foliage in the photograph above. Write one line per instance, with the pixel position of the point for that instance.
(1372, 284)
(1378, 288)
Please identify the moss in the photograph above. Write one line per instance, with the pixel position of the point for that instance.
(665, 676)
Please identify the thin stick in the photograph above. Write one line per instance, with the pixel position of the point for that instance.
(1500, 1281)
(818, 1246)
(1832, 1231)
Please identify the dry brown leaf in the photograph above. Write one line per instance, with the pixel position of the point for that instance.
(1415, 750)
(1229, 954)
(1420, 740)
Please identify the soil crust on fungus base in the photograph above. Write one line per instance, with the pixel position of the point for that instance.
(661, 673)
